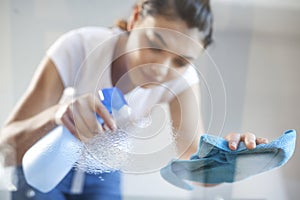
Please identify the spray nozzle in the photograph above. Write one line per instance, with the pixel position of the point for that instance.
(114, 101)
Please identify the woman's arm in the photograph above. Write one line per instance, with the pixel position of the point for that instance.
(39, 112)
(187, 121)
(34, 115)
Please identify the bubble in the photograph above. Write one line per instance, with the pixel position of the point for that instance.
(122, 150)
(105, 152)
(30, 193)
(143, 122)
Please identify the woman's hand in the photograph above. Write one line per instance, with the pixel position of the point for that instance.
(78, 116)
(249, 139)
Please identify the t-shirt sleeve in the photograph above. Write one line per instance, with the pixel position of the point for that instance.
(191, 76)
(175, 87)
(67, 53)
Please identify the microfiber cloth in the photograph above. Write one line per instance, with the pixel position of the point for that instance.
(215, 163)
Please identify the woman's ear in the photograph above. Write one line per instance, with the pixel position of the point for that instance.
(134, 17)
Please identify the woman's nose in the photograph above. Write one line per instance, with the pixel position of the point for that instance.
(162, 69)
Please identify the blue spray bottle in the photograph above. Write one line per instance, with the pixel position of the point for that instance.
(49, 160)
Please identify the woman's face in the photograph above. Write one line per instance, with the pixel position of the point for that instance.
(159, 50)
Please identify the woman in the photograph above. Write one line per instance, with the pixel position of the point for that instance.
(153, 57)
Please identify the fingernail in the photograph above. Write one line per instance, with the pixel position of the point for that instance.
(252, 144)
(233, 144)
(105, 127)
(114, 126)
(266, 141)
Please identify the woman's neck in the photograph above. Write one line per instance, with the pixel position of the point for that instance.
(119, 68)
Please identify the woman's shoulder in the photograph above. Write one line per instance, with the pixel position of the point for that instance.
(95, 30)
(89, 37)
(94, 33)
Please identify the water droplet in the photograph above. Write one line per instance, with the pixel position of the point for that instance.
(30, 193)
(106, 152)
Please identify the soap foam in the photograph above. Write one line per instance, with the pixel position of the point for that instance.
(116, 151)
(105, 152)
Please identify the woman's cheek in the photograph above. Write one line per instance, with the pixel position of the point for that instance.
(138, 58)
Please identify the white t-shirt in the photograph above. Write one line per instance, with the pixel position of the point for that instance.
(83, 59)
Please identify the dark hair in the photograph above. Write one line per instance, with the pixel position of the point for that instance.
(196, 13)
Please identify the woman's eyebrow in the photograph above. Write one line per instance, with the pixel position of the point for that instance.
(187, 57)
(165, 44)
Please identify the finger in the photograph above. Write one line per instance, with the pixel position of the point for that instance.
(61, 111)
(68, 123)
(105, 127)
(89, 119)
(233, 140)
(250, 140)
(62, 117)
(81, 127)
(87, 130)
(104, 114)
(261, 140)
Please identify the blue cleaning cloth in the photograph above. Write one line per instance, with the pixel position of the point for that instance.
(215, 163)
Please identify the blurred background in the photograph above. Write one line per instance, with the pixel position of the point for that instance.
(257, 51)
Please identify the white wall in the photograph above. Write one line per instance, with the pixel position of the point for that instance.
(272, 98)
(257, 50)
(6, 80)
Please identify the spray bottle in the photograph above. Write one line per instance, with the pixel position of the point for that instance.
(49, 160)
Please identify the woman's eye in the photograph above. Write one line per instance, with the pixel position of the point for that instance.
(180, 62)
